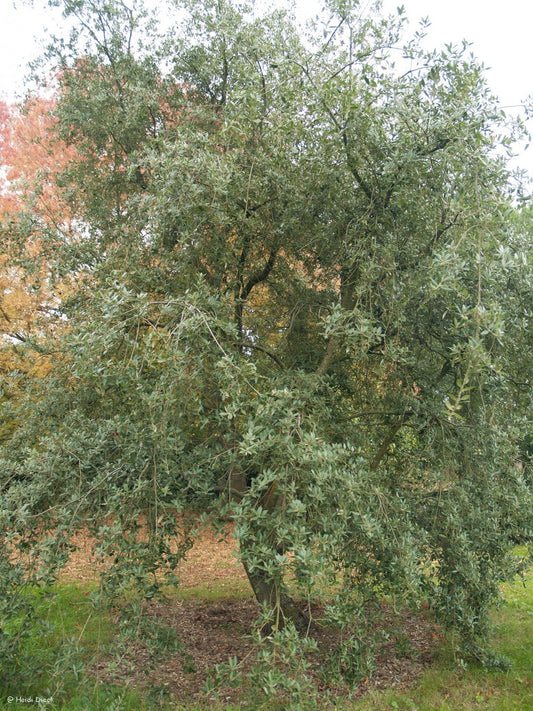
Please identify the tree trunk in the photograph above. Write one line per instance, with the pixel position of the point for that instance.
(279, 603)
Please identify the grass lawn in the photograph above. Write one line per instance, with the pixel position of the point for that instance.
(448, 687)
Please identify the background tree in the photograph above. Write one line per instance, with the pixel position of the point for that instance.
(300, 301)
(32, 157)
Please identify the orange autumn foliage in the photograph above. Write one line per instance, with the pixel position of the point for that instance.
(31, 158)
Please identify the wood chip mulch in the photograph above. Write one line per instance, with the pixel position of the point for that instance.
(213, 632)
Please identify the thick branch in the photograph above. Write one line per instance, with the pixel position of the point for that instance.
(243, 290)
(353, 168)
(240, 286)
(328, 357)
(260, 275)
(382, 451)
(255, 346)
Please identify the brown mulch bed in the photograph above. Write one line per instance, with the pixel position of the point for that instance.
(213, 632)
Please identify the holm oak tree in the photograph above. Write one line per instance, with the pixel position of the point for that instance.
(301, 301)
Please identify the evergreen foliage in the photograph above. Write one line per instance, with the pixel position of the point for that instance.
(299, 295)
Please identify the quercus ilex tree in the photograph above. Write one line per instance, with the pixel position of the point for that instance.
(299, 303)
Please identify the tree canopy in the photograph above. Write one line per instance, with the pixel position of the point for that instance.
(299, 296)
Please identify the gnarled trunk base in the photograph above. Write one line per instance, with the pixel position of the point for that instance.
(283, 607)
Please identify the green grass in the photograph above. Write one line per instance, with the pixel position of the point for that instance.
(73, 625)
(448, 687)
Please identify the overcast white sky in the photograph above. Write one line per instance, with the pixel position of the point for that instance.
(500, 33)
